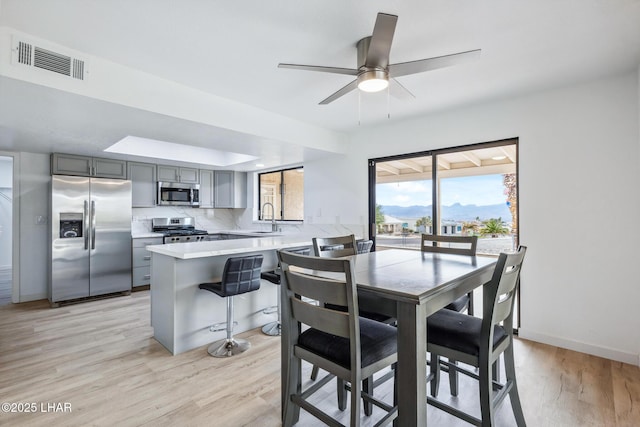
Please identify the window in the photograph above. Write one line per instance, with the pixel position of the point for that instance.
(284, 191)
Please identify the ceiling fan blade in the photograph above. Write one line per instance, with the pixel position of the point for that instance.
(399, 91)
(345, 90)
(380, 45)
(334, 70)
(421, 65)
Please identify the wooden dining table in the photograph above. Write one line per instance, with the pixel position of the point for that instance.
(408, 285)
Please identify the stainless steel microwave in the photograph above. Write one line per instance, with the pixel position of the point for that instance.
(178, 194)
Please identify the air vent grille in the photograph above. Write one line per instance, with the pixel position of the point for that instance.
(24, 53)
(35, 56)
(51, 61)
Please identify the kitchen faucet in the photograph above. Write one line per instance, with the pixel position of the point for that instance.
(274, 226)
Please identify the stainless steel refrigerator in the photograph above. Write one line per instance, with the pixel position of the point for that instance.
(90, 237)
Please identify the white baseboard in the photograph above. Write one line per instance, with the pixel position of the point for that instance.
(33, 297)
(607, 353)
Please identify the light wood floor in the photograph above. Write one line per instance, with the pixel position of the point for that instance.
(101, 359)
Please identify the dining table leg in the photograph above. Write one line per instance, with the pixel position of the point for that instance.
(412, 365)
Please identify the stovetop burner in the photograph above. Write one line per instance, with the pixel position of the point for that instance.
(182, 232)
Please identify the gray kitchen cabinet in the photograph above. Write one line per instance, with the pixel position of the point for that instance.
(143, 184)
(177, 174)
(71, 164)
(141, 260)
(230, 189)
(206, 188)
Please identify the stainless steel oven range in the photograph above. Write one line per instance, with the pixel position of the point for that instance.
(180, 229)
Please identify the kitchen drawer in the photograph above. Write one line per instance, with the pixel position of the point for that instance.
(141, 276)
(143, 242)
(141, 257)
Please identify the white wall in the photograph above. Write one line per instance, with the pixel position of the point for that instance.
(34, 242)
(6, 211)
(579, 201)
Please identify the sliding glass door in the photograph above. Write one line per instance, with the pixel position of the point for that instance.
(464, 191)
(458, 191)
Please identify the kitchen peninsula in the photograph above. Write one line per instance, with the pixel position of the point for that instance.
(181, 314)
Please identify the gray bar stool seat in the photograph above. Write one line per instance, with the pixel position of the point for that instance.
(240, 275)
(274, 328)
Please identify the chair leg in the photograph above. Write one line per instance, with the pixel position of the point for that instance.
(496, 370)
(355, 403)
(486, 388)
(314, 372)
(453, 379)
(274, 329)
(342, 394)
(435, 373)
(367, 387)
(229, 346)
(470, 306)
(510, 370)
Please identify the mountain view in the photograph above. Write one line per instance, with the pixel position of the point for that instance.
(455, 212)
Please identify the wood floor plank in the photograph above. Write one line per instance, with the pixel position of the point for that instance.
(101, 358)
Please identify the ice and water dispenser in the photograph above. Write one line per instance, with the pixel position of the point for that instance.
(70, 225)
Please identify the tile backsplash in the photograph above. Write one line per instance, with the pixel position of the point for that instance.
(206, 219)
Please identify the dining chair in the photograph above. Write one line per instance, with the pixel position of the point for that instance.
(335, 247)
(459, 245)
(480, 343)
(364, 246)
(349, 347)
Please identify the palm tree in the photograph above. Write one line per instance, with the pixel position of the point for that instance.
(470, 227)
(493, 227)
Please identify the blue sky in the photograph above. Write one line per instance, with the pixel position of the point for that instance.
(478, 190)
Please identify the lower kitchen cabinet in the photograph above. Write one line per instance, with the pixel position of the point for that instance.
(141, 262)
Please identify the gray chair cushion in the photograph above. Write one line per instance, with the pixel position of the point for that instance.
(459, 304)
(377, 341)
(271, 276)
(448, 328)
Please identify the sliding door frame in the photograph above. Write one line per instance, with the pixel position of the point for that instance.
(435, 213)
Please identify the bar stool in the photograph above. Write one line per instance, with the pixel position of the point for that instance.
(273, 328)
(240, 275)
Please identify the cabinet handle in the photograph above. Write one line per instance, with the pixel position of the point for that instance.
(147, 276)
(147, 258)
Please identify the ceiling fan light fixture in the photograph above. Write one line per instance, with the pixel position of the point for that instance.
(373, 81)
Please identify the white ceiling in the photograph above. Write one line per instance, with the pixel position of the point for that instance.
(231, 49)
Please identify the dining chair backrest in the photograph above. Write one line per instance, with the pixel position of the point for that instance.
(499, 295)
(364, 246)
(335, 247)
(307, 284)
(329, 335)
(459, 245)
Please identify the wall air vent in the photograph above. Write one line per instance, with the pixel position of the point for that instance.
(35, 56)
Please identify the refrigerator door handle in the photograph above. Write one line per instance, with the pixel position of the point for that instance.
(93, 224)
(86, 224)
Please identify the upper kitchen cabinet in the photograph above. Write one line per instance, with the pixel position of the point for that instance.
(230, 189)
(206, 188)
(177, 174)
(143, 184)
(70, 164)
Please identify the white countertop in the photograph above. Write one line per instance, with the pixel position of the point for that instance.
(193, 250)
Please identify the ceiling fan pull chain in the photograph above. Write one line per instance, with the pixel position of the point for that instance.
(359, 108)
(388, 103)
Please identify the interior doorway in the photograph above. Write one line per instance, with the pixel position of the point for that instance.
(6, 229)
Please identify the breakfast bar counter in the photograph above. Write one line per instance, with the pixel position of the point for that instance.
(181, 313)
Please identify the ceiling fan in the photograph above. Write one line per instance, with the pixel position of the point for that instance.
(374, 71)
